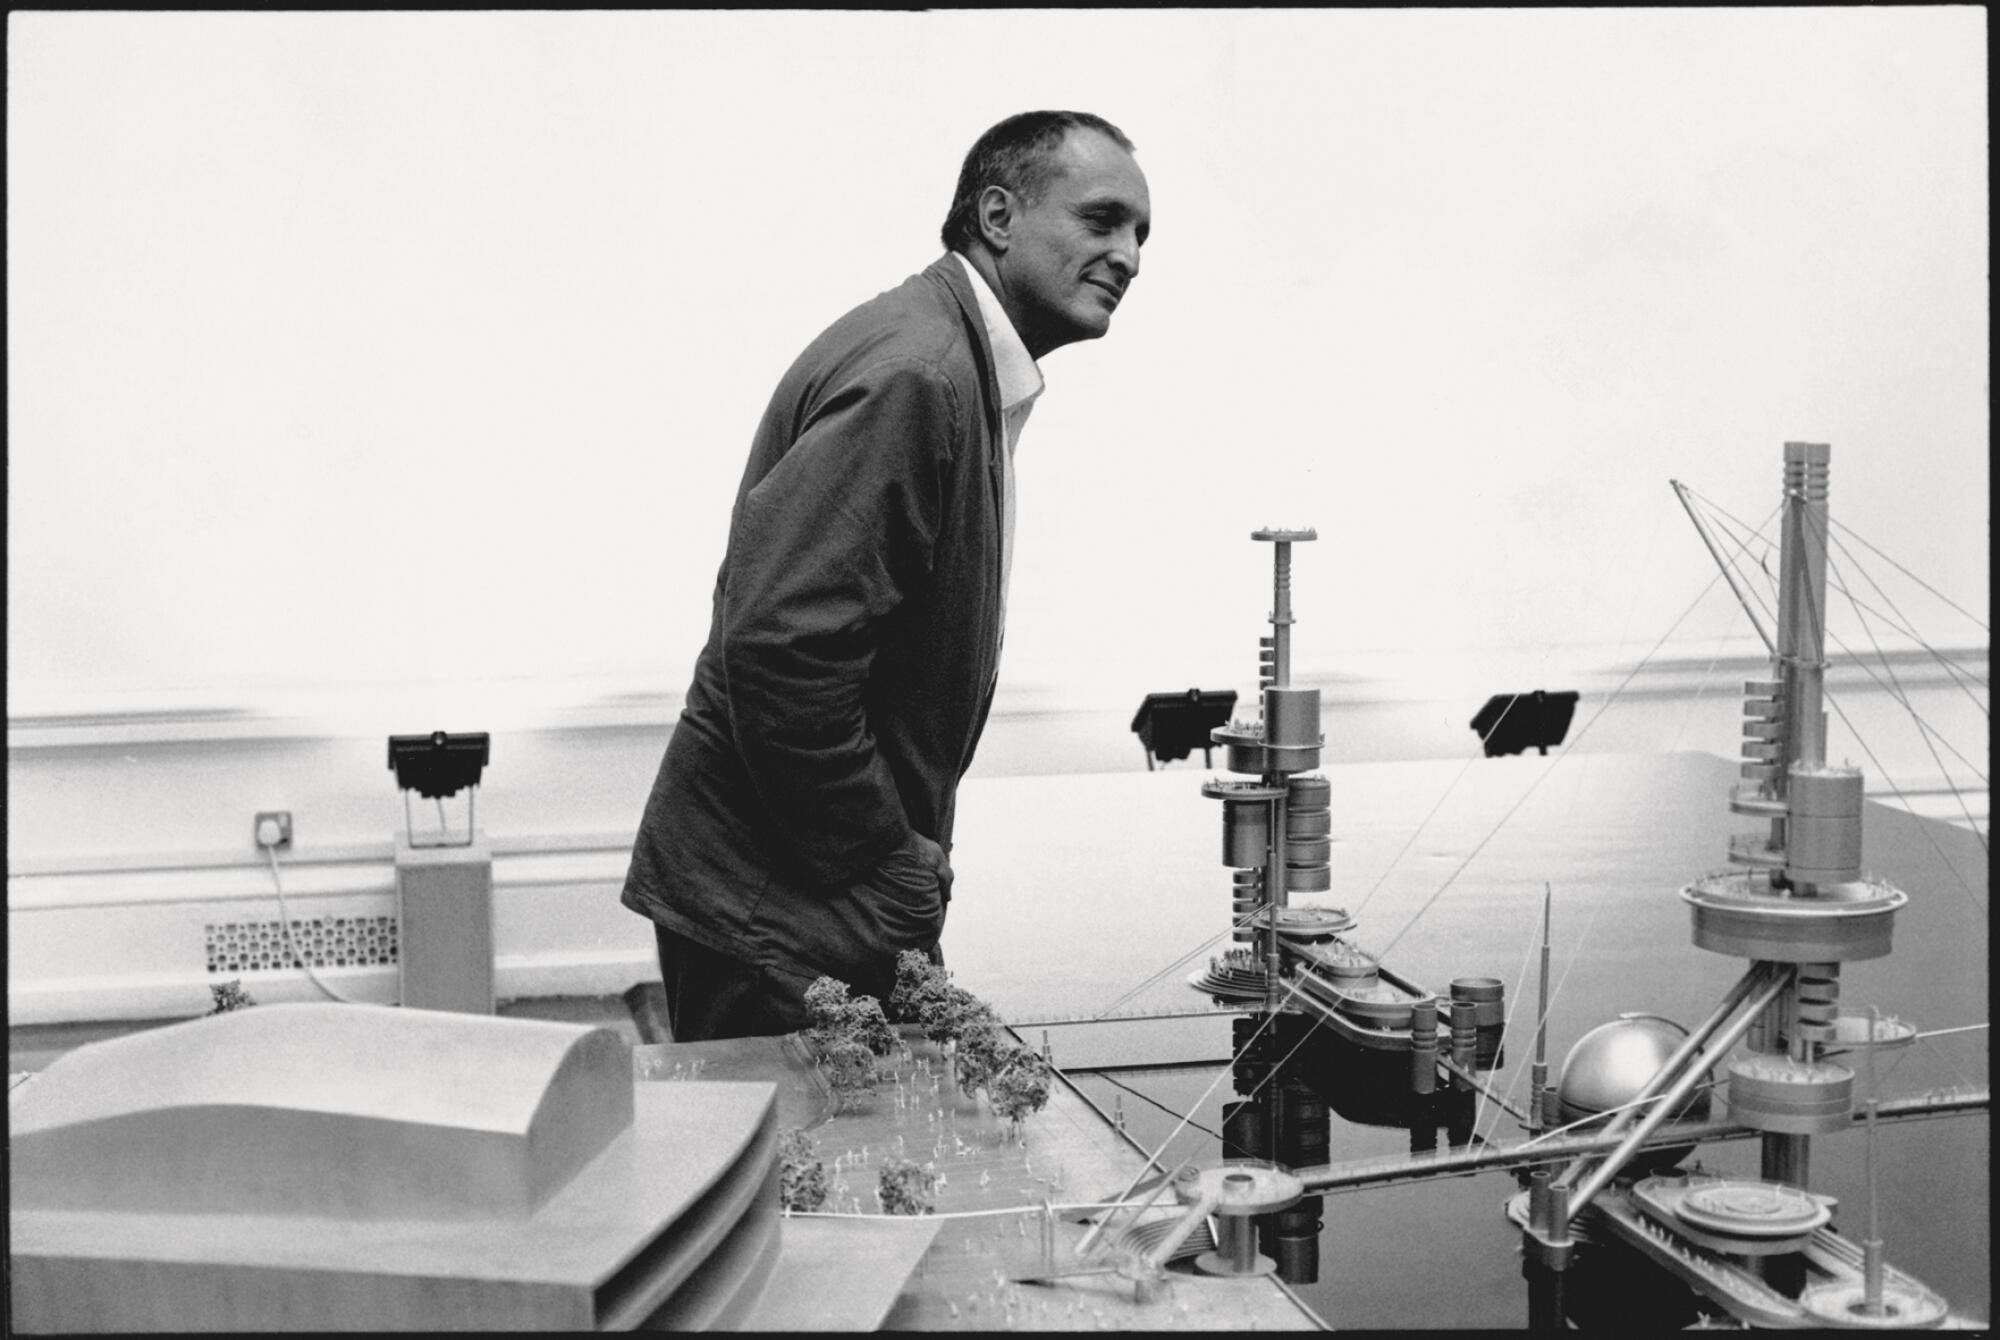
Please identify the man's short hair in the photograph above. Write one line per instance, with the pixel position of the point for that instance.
(1018, 154)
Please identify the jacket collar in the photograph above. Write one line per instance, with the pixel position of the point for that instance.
(948, 271)
(1020, 380)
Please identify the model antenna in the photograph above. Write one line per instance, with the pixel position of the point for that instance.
(1728, 573)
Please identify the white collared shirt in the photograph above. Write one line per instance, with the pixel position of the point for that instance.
(1020, 383)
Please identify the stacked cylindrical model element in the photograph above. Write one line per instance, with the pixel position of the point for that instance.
(1281, 606)
(1485, 998)
(1248, 896)
(1818, 1007)
(1423, 1045)
(1802, 600)
(1763, 731)
(1823, 842)
(1236, 1239)
(1246, 833)
(1308, 839)
(1291, 717)
(1259, 839)
(1464, 1043)
(1782, 1096)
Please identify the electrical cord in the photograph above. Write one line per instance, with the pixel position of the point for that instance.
(291, 944)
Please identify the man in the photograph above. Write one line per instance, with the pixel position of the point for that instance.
(802, 816)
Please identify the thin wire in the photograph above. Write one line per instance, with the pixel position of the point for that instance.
(1156, 1103)
(1880, 770)
(1507, 1024)
(1904, 702)
(1934, 653)
(1898, 790)
(1757, 530)
(1228, 1069)
(1575, 957)
(1153, 1159)
(1966, 681)
(1742, 543)
(1555, 992)
(1277, 1067)
(1763, 570)
(1938, 1053)
(1513, 701)
(1935, 1053)
(1921, 827)
(1896, 619)
(1865, 668)
(1037, 1208)
(1903, 698)
(1700, 688)
(1924, 732)
(285, 921)
(1484, 1091)
(1894, 689)
(1607, 1112)
(1901, 623)
(1977, 621)
(1235, 924)
(1903, 1053)
(1544, 775)
(1397, 859)
(1701, 685)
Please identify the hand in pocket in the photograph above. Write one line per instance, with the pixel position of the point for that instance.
(911, 886)
(919, 861)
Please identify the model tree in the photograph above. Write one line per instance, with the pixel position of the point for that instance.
(983, 1055)
(1019, 1086)
(977, 1053)
(926, 996)
(848, 1035)
(836, 1017)
(850, 1070)
(230, 996)
(904, 1187)
(920, 987)
(801, 1176)
(959, 1013)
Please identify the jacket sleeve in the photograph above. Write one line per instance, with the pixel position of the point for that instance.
(827, 553)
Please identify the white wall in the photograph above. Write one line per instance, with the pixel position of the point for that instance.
(402, 365)
(384, 372)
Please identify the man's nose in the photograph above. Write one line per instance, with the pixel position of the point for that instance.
(1125, 254)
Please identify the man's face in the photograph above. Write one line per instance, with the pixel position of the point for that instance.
(1071, 254)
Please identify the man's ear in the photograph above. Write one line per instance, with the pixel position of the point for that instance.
(993, 215)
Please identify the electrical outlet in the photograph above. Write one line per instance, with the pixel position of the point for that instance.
(270, 822)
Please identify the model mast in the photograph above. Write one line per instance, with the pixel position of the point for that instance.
(1796, 906)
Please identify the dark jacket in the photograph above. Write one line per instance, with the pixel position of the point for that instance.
(851, 656)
